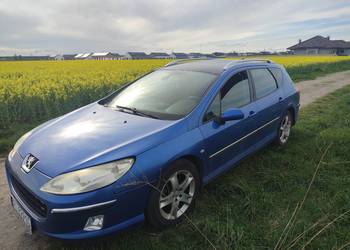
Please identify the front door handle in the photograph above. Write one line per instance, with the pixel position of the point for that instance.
(280, 99)
(251, 113)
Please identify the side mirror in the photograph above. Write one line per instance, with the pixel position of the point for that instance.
(229, 115)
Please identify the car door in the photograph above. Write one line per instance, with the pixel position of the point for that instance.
(268, 99)
(224, 143)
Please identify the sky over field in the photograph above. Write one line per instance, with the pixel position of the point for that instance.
(42, 27)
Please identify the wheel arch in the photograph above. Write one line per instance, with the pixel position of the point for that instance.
(196, 161)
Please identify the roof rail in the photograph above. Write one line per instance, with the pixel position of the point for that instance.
(180, 61)
(242, 60)
(256, 59)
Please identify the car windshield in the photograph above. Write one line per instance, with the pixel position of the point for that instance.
(163, 94)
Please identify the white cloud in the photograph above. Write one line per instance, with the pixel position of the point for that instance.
(132, 24)
(153, 25)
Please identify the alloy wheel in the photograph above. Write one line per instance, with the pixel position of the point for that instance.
(176, 195)
(285, 129)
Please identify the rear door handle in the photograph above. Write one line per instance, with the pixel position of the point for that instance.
(280, 99)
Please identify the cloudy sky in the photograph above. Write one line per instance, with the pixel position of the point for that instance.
(70, 26)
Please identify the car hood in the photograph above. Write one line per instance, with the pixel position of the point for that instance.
(93, 135)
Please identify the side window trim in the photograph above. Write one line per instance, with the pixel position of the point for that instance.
(269, 70)
(211, 102)
(251, 86)
(255, 97)
(279, 84)
(251, 92)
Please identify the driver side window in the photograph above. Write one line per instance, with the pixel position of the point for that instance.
(234, 94)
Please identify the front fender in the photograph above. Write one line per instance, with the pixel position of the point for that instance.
(153, 162)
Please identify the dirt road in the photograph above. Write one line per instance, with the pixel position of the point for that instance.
(12, 232)
(314, 89)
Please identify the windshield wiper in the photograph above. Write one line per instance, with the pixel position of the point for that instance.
(135, 111)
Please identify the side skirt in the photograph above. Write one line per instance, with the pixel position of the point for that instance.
(234, 162)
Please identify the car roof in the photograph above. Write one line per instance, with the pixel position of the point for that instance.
(214, 66)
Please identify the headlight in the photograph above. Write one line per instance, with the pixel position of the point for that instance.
(88, 179)
(19, 143)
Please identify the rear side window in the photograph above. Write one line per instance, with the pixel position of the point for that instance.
(264, 82)
(277, 73)
(235, 92)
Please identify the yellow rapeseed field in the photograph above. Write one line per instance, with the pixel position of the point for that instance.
(30, 91)
(289, 61)
(34, 91)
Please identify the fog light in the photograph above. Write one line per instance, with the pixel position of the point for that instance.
(94, 223)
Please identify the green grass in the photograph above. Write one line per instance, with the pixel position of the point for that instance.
(312, 71)
(249, 207)
(9, 136)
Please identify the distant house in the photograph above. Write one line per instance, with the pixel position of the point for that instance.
(210, 56)
(251, 53)
(6, 58)
(57, 57)
(25, 58)
(77, 56)
(284, 53)
(83, 56)
(265, 53)
(86, 56)
(232, 54)
(320, 45)
(68, 56)
(179, 55)
(219, 54)
(32, 58)
(136, 55)
(196, 55)
(105, 56)
(159, 55)
(118, 56)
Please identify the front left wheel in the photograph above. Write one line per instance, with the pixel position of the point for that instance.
(174, 196)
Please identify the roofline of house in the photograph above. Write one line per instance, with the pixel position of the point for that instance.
(300, 46)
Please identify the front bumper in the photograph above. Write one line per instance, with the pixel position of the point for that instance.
(65, 216)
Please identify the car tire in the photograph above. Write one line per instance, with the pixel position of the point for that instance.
(174, 196)
(284, 129)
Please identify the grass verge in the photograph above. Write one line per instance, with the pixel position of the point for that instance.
(250, 206)
(8, 137)
(312, 71)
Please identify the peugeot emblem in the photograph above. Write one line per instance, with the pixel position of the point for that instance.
(29, 162)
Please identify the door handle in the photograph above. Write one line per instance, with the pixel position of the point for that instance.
(280, 99)
(251, 113)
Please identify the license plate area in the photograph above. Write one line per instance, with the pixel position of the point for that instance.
(23, 216)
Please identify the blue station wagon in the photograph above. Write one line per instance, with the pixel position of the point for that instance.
(145, 151)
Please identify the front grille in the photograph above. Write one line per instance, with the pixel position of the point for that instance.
(30, 200)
